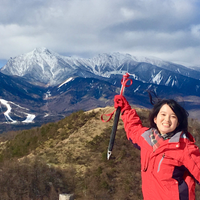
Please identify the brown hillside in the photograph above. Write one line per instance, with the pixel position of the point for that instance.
(69, 156)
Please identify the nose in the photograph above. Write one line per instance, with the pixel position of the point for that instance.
(167, 118)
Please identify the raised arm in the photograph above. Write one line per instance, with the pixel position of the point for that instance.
(132, 123)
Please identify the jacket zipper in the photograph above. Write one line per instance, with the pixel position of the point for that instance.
(160, 162)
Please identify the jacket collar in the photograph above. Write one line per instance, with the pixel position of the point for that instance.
(174, 139)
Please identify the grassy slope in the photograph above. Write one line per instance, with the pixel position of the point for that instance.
(70, 156)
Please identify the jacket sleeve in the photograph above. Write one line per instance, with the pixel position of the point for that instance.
(133, 126)
(191, 159)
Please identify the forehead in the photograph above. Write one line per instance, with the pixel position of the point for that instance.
(166, 108)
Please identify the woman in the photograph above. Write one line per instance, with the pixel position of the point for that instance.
(170, 161)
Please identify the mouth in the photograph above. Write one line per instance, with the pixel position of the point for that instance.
(166, 125)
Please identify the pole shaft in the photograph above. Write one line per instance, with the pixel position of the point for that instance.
(114, 129)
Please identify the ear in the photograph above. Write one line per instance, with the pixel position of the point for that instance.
(155, 120)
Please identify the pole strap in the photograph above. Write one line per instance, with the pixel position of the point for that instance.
(124, 81)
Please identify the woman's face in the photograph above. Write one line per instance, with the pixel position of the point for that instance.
(166, 120)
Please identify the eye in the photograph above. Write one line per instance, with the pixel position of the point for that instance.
(174, 116)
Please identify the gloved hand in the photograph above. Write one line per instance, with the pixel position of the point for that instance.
(120, 101)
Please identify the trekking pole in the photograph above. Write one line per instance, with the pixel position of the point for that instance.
(117, 114)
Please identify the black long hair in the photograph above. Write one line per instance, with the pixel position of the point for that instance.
(179, 111)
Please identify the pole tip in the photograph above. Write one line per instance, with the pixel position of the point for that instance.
(109, 154)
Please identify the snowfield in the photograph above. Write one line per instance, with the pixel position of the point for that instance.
(9, 119)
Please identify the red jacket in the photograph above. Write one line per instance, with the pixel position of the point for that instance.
(169, 173)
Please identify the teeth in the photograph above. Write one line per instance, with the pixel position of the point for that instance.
(166, 124)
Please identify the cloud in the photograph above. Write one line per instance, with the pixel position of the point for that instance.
(169, 29)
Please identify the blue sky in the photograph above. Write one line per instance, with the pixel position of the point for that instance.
(167, 29)
(2, 63)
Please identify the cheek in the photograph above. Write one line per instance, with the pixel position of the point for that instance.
(155, 120)
(177, 124)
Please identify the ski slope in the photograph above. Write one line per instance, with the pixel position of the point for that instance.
(7, 114)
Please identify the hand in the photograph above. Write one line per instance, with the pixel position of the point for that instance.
(120, 101)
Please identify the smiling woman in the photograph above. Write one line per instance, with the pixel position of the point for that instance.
(170, 160)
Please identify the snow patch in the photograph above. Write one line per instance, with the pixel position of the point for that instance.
(29, 118)
(137, 89)
(6, 114)
(158, 78)
(168, 81)
(47, 95)
(68, 80)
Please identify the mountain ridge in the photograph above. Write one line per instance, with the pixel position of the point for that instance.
(52, 86)
(51, 68)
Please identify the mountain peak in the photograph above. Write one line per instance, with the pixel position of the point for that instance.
(41, 50)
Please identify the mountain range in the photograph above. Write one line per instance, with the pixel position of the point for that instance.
(43, 86)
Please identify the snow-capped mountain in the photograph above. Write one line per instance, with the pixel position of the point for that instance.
(47, 67)
(39, 65)
(43, 86)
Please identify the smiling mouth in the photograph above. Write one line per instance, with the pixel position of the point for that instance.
(166, 125)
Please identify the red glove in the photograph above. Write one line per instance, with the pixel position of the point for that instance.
(120, 101)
